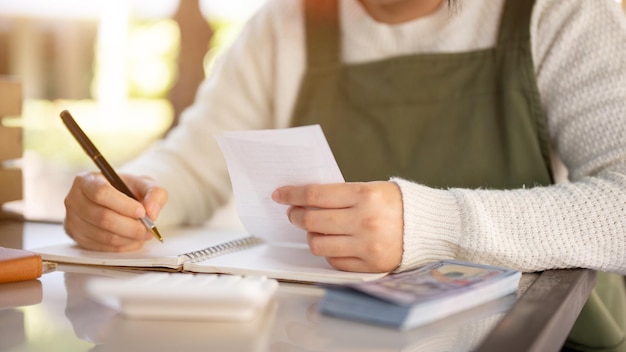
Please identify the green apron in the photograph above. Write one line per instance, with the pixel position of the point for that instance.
(467, 120)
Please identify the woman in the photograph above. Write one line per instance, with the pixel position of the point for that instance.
(464, 109)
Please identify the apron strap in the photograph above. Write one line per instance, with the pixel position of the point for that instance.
(515, 21)
(322, 32)
(514, 30)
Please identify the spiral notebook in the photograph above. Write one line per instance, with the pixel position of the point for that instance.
(205, 250)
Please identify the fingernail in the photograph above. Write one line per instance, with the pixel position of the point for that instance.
(154, 210)
(139, 212)
(276, 196)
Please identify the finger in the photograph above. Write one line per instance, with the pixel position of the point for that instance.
(93, 238)
(111, 222)
(99, 247)
(352, 264)
(99, 191)
(154, 201)
(374, 256)
(340, 251)
(151, 195)
(329, 221)
(324, 245)
(336, 195)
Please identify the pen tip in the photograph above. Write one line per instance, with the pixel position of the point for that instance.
(156, 234)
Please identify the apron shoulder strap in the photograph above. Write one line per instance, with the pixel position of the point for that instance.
(515, 21)
(322, 32)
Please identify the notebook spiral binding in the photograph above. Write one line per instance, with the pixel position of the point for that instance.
(222, 248)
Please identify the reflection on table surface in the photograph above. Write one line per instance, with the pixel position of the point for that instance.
(56, 313)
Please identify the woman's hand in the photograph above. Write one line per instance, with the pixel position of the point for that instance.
(356, 226)
(99, 217)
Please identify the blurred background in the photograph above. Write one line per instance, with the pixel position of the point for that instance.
(124, 68)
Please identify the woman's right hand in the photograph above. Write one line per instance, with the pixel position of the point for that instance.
(99, 217)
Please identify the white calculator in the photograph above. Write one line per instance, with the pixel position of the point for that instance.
(186, 296)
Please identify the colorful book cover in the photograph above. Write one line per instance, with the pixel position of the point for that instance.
(420, 296)
(434, 281)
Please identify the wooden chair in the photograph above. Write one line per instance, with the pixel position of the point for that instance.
(11, 146)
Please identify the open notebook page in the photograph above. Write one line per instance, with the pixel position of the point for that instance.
(281, 261)
(154, 254)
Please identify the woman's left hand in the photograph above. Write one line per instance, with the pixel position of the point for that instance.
(356, 226)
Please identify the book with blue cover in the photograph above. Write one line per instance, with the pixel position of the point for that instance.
(420, 296)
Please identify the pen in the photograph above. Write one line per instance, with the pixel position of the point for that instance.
(104, 166)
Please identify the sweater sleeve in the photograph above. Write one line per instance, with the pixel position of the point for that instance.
(579, 49)
(188, 163)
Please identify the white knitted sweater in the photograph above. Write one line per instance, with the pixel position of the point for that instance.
(579, 52)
